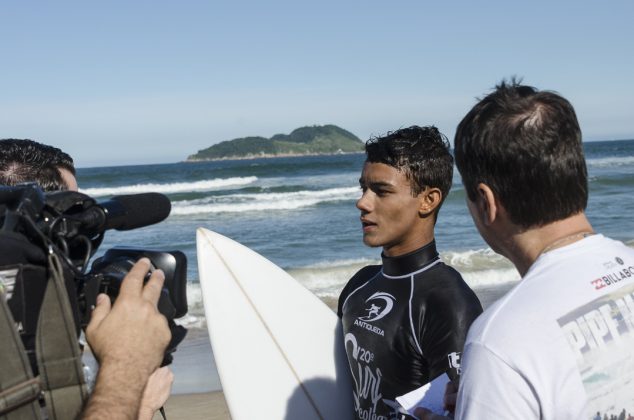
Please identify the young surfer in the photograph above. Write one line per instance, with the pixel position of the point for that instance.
(559, 345)
(404, 321)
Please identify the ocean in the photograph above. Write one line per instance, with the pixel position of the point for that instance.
(300, 213)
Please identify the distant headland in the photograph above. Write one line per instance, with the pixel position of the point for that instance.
(303, 141)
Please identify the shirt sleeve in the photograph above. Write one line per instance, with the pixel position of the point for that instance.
(447, 319)
(491, 389)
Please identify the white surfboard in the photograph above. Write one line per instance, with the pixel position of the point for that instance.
(278, 348)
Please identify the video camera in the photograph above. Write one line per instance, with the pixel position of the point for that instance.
(72, 225)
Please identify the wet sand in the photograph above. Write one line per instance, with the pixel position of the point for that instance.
(208, 405)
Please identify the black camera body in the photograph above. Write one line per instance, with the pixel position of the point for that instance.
(71, 225)
(108, 271)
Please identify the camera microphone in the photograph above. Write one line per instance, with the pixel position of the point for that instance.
(126, 212)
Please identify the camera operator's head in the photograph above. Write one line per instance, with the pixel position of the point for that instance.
(30, 161)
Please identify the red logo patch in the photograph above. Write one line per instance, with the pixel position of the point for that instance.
(598, 284)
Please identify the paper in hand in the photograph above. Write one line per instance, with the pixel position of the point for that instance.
(429, 396)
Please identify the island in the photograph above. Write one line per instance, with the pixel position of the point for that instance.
(303, 141)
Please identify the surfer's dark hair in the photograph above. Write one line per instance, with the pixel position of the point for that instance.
(24, 160)
(421, 153)
(526, 146)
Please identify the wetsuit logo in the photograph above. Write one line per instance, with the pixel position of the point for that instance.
(454, 361)
(367, 381)
(381, 304)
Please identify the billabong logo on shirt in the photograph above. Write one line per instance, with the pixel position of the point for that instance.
(613, 278)
(381, 304)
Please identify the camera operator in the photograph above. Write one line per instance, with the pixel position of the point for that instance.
(129, 338)
(29, 161)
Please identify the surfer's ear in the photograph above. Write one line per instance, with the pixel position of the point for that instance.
(430, 199)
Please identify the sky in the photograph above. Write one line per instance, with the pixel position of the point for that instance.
(137, 82)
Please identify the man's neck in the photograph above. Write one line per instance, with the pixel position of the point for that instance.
(524, 247)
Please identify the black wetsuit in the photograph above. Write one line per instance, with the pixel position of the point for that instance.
(405, 323)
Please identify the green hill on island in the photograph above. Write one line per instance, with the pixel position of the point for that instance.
(315, 140)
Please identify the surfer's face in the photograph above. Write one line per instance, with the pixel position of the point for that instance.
(389, 211)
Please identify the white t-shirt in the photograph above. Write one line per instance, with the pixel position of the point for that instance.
(560, 345)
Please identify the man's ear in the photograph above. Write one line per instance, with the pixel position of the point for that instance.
(430, 199)
(487, 204)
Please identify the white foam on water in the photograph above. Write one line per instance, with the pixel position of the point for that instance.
(496, 277)
(326, 279)
(610, 161)
(480, 268)
(195, 317)
(475, 259)
(240, 203)
(192, 321)
(176, 187)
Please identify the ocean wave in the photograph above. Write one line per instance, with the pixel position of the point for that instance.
(195, 317)
(326, 279)
(240, 203)
(488, 278)
(476, 259)
(351, 262)
(176, 187)
(480, 268)
(610, 161)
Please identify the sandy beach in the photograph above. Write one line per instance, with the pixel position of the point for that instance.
(208, 405)
(196, 392)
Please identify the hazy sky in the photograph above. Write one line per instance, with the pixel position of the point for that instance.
(122, 82)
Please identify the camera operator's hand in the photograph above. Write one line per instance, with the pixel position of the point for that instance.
(156, 393)
(129, 340)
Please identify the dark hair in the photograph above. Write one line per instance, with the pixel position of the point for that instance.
(421, 153)
(526, 146)
(30, 161)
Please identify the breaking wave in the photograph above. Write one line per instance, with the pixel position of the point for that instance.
(171, 188)
(239, 203)
(610, 161)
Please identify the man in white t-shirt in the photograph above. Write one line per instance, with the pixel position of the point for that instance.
(560, 344)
